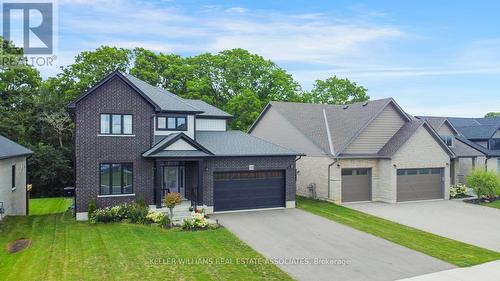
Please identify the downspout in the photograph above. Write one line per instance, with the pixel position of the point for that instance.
(329, 168)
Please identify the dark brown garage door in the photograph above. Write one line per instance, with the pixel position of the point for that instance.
(249, 190)
(420, 184)
(356, 185)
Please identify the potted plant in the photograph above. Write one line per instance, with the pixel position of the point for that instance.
(171, 200)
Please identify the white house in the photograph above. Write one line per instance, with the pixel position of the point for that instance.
(13, 171)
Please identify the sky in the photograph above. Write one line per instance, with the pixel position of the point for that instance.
(432, 57)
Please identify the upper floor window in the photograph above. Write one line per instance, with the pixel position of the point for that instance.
(173, 123)
(495, 144)
(448, 140)
(116, 124)
(116, 178)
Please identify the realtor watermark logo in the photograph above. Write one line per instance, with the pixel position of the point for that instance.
(32, 26)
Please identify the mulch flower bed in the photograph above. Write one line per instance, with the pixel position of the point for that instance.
(18, 245)
(479, 201)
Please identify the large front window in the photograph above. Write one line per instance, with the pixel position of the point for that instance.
(116, 124)
(173, 123)
(116, 178)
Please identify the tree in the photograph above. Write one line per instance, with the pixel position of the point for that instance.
(50, 170)
(245, 108)
(60, 122)
(336, 91)
(492, 114)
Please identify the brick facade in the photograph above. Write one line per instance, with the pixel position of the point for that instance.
(115, 96)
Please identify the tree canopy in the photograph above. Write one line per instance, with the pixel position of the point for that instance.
(32, 111)
(492, 114)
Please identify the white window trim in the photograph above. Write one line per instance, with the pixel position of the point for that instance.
(115, 195)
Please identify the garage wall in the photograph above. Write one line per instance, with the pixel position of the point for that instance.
(311, 169)
(336, 176)
(227, 164)
(422, 151)
(386, 191)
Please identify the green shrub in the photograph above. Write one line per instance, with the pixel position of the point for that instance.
(484, 183)
(187, 224)
(141, 202)
(92, 207)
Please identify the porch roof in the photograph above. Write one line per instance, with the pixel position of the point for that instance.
(218, 144)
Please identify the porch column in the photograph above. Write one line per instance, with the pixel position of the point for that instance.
(157, 182)
(199, 188)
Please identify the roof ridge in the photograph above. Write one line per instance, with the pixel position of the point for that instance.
(328, 104)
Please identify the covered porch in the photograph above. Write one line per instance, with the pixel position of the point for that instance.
(178, 175)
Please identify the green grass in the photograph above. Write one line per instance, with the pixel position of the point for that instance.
(45, 206)
(451, 251)
(63, 249)
(494, 204)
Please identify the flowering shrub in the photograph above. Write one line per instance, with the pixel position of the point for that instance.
(157, 217)
(458, 190)
(197, 221)
(124, 212)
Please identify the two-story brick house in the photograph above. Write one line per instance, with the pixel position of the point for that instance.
(134, 140)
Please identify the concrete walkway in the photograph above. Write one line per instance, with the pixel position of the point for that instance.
(309, 247)
(469, 223)
(484, 272)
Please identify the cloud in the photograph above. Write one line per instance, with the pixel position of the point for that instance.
(308, 37)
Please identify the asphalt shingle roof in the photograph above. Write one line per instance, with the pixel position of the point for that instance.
(208, 110)
(163, 98)
(344, 122)
(237, 143)
(9, 149)
(221, 143)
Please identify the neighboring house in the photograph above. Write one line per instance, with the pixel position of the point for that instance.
(484, 134)
(13, 171)
(467, 155)
(134, 140)
(359, 152)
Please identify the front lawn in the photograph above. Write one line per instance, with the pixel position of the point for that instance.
(494, 204)
(63, 249)
(451, 251)
(45, 206)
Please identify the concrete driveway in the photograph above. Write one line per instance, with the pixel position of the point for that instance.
(293, 236)
(473, 224)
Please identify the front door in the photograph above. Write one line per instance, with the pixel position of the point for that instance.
(173, 180)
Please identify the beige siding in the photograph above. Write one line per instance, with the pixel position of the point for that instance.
(275, 128)
(376, 135)
(311, 169)
(423, 151)
(14, 200)
(493, 164)
(445, 130)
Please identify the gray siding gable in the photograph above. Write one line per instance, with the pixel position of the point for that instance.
(276, 128)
